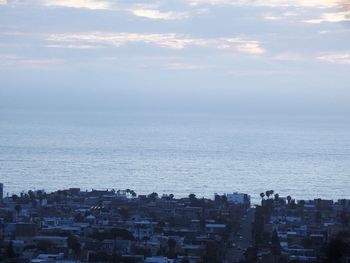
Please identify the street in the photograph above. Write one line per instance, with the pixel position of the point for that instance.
(242, 240)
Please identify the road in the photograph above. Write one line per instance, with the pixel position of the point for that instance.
(242, 240)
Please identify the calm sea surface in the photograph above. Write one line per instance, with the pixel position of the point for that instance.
(302, 157)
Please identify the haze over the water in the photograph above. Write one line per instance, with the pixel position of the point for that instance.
(185, 57)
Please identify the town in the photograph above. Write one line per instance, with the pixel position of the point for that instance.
(121, 226)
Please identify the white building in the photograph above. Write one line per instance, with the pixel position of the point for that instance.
(238, 198)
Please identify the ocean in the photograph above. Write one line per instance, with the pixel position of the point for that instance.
(304, 157)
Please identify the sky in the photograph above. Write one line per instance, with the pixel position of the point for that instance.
(230, 55)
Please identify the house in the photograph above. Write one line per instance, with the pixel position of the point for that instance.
(156, 260)
(215, 228)
(48, 258)
(56, 240)
(25, 230)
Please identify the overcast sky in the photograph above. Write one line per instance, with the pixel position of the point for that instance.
(227, 54)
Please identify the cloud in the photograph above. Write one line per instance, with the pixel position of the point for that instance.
(337, 58)
(73, 46)
(88, 4)
(290, 56)
(8, 60)
(261, 72)
(331, 18)
(170, 40)
(331, 57)
(166, 40)
(271, 17)
(156, 14)
(243, 46)
(308, 3)
(176, 63)
(188, 66)
(270, 3)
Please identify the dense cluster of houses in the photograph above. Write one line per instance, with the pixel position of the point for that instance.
(287, 230)
(117, 226)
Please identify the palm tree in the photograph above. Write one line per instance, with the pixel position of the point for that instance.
(262, 195)
(289, 198)
(267, 193)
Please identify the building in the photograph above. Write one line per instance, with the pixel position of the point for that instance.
(156, 260)
(238, 198)
(1, 193)
(103, 226)
(25, 230)
(48, 258)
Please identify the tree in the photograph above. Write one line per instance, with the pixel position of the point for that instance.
(122, 234)
(336, 249)
(343, 202)
(124, 213)
(73, 244)
(153, 196)
(275, 244)
(251, 254)
(172, 246)
(293, 204)
(18, 208)
(318, 216)
(212, 252)
(344, 217)
(267, 193)
(289, 198)
(262, 195)
(224, 199)
(277, 197)
(171, 243)
(41, 195)
(15, 198)
(306, 242)
(31, 195)
(10, 251)
(145, 239)
(171, 196)
(44, 245)
(192, 196)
